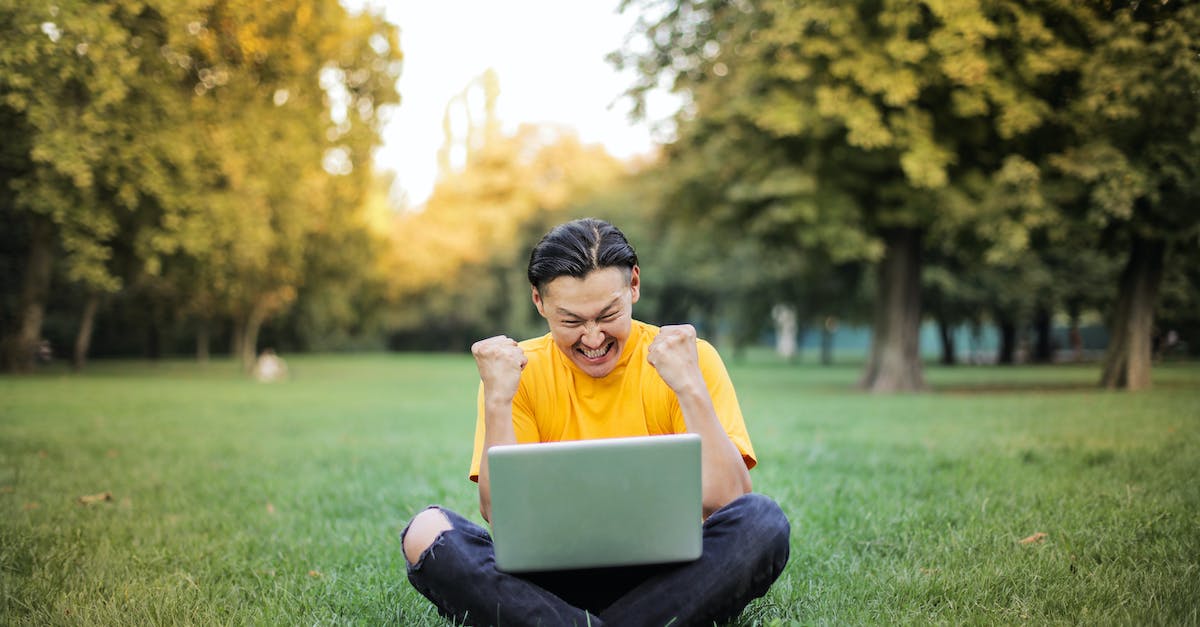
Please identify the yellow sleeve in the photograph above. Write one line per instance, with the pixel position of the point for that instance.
(724, 399)
(523, 425)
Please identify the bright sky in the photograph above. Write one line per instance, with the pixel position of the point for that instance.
(548, 54)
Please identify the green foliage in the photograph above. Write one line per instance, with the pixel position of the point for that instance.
(1137, 118)
(67, 73)
(236, 502)
(198, 149)
(845, 132)
(849, 118)
(1009, 133)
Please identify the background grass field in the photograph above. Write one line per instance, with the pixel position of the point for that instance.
(235, 502)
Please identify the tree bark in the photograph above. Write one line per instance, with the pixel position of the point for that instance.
(1128, 359)
(946, 332)
(237, 336)
(895, 361)
(1043, 348)
(1008, 340)
(21, 347)
(1074, 337)
(83, 338)
(249, 343)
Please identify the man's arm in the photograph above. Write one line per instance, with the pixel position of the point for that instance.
(500, 361)
(724, 476)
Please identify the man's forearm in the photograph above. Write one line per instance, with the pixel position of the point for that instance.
(723, 471)
(498, 429)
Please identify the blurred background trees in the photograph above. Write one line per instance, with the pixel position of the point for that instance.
(196, 158)
(976, 136)
(196, 176)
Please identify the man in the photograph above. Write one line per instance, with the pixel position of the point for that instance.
(600, 373)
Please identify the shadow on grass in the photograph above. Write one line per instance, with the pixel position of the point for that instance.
(1043, 387)
(1024, 387)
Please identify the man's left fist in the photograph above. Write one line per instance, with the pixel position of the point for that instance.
(673, 354)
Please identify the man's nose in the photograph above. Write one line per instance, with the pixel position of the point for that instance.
(593, 337)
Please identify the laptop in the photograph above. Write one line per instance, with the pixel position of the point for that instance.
(596, 503)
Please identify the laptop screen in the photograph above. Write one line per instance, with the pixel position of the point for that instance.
(596, 503)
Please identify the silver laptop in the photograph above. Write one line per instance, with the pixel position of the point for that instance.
(595, 503)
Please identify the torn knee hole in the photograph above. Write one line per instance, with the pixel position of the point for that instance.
(425, 528)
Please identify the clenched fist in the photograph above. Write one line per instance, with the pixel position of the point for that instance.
(673, 354)
(500, 361)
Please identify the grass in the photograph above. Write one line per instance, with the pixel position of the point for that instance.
(235, 502)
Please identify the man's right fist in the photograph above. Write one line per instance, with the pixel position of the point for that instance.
(500, 361)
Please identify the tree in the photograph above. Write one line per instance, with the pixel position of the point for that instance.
(1137, 156)
(72, 92)
(343, 299)
(215, 140)
(852, 129)
(288, 101)
(1178, 318)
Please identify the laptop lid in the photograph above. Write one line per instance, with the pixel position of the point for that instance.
(595, 503)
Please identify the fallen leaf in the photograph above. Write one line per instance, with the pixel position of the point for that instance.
(1037, 537)
(270, 508)
(113, 453)
(92, 499)
(30, 506)
(314, 573)
(43, 454)
(7, 489)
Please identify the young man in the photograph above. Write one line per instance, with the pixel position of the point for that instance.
(600, 373)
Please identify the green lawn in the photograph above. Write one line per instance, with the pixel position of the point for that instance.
(235, 502)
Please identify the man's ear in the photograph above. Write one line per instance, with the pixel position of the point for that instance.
(635, 284)
(537, 301)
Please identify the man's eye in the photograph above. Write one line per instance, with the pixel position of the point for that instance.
(609, 318)
(571, 323)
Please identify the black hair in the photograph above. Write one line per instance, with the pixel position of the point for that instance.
(577, 248)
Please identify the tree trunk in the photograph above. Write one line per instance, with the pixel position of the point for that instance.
(83, 339)
(828, 329)
(249, 343)
(946, 332)
(202, 340)
(895, 361)
(237, 336)
(1043, 348)
(1008, 340)
(1074, 337)
(1127, 361)
(20, 348)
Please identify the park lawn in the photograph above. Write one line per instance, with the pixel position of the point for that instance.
(234, 502)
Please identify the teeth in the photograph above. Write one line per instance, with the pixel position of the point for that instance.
(593, 354)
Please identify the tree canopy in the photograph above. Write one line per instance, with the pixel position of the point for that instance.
(202, 169)
(202, 147)
(856, 131)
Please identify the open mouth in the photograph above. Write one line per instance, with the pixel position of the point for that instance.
(597, 353)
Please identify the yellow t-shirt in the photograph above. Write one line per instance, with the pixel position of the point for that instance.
(557, 401)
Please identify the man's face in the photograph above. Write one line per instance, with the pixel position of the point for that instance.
(590, 318)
